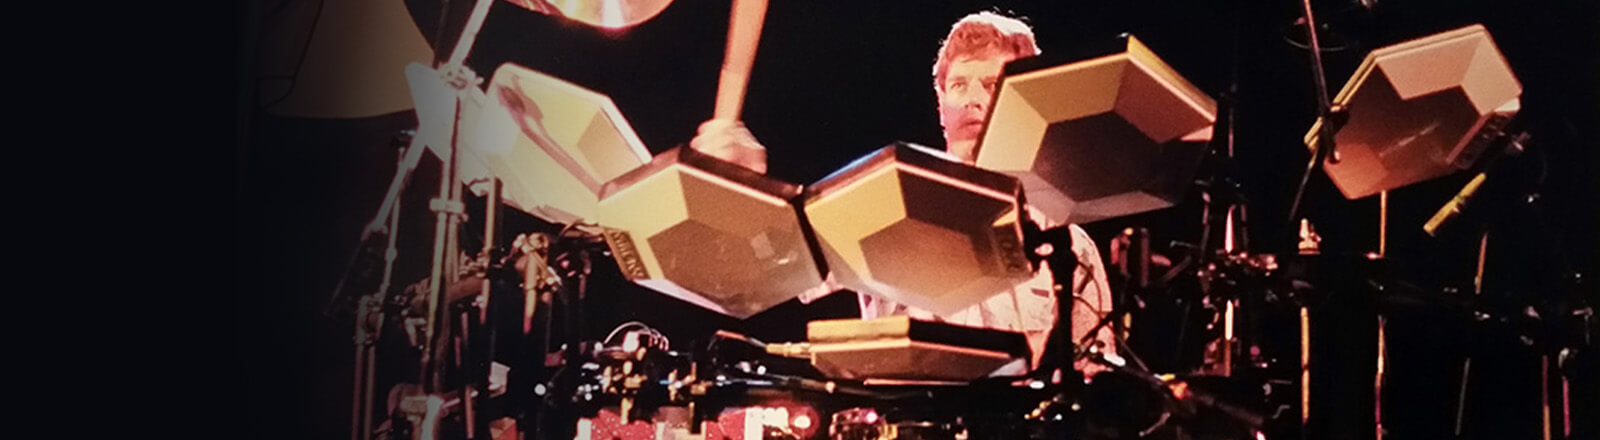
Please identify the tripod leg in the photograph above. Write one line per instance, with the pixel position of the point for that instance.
(358, 407)
(369, 321)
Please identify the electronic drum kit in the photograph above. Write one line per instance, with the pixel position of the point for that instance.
(903, 223)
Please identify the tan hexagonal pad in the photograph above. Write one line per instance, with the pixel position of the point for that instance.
(1114, 134)
(553, 143)
(709, 232)
(910, 226)
(1419, 110)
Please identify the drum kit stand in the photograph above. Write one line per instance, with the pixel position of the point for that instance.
(891, 378)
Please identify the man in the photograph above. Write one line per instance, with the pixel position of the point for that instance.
(965, 73)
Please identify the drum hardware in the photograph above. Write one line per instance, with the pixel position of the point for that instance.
(997, 407)
(842, 348)
(1224, 270)
(1178, 398)
(550, 268)
(868, 424)
(554, 277)
(446, 95)
(1055, 116)
(415, 414)
(910, 225)
(1397, 121)
(445, 87)
(1119, 103)
(1261, 290)
(369, 320)
(370, 308)
(1544, 310)
(719, 236)
(553, 142)
(559, 364)
(899, 347)
(539, 283)
(469, 346)
(1332, 118)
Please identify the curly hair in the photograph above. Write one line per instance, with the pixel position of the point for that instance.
(981, 34)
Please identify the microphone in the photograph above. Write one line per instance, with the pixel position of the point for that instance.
(1458, 204)
(1453, 208)
(798, 350)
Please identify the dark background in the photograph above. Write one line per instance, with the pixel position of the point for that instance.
(836, 79)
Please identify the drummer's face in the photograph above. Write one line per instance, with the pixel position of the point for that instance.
(969, 83)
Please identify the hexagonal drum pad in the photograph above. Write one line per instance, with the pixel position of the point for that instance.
(1113, 134)
(553, 143)
(910, 226)
(709, 232)
(1419, 110)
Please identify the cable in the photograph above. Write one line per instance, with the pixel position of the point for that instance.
(656, 339)
(294, 78)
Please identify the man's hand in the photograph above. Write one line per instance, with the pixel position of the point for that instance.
(730, 141)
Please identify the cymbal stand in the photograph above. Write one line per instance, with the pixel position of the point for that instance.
(369, 315)
(369, 308)
(1235, 236)
(1223, 203)
(369, 312)
(442, 135)
(475, 369)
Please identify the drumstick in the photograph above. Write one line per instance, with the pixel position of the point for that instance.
(744, 32)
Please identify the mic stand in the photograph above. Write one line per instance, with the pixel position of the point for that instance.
(1331, 118)
(1053, 247)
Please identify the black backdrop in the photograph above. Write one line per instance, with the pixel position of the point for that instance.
(836, 79)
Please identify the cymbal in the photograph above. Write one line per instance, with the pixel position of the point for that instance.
(610, 14)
